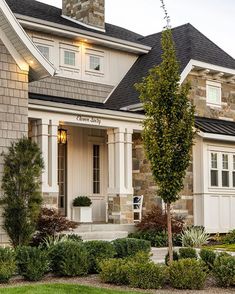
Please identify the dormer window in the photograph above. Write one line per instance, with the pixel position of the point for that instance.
(45, 50)
(95, 63)
(69, 58)
(213, 93)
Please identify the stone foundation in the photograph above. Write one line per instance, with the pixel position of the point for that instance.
(120, 209)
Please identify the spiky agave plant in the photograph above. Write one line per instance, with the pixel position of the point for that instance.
(194, 237)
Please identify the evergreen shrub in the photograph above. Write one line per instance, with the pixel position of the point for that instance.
(7, 264)
(187, 253)
(224, 270)
(208, 256)
(130, 246)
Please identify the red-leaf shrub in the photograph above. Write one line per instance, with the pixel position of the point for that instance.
(156, 221)
(51, 222)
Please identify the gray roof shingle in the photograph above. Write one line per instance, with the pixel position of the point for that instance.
(190, 44)
(53, 14)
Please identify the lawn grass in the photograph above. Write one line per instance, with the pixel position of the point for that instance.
(60, 289)
(223, 247)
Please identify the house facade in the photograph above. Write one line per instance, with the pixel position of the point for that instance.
(68, 72)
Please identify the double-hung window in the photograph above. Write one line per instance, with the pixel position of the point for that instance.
(222, 169)
(45, 50)
(69, 58)
(213, 93)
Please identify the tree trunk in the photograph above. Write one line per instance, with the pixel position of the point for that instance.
(169, 230)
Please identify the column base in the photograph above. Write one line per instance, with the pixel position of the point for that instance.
(120, 209)
(50, 199)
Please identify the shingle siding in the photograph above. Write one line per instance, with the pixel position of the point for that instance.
(73, 89)
(13, 106)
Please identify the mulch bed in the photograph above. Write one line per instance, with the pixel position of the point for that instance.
(94, 281)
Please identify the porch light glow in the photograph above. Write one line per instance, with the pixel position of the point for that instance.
(62, 136)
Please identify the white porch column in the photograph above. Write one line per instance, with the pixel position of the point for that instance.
(128, 161)
(111, 161)
(120, 192)
(43, 134)
(47, 140)
(120, 161)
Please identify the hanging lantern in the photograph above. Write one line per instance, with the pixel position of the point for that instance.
(62, 136)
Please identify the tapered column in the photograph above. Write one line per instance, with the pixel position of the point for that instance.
(120, 192)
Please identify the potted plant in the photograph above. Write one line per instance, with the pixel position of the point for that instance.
(82, 211)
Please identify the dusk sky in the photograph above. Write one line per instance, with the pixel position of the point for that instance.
(214, 18)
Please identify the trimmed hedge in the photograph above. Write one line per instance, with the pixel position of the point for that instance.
(32, 262)
(129, 246)
(69, 258)
(97, 251)
(208, 256)
(146, 275)
(224, 270)
(187, 253)
(7, 264)
(187, 274)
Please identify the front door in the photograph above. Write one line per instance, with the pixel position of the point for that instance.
(62, 178)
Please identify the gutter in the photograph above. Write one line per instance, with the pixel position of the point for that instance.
(71, 32)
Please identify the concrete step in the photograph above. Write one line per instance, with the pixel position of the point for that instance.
(102, 235)
(83, 228)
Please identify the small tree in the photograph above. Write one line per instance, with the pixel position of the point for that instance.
(168, 126)
(22, 198)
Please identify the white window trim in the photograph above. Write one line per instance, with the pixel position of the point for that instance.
(98, 54)
(46, 43)
(217, 85)
(220, 169)
(74, 49)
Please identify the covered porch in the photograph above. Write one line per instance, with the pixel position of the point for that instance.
(95, 160)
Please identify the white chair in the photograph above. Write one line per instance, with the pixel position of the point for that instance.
(137, 207)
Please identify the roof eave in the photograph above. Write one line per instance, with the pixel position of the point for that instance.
(71, 32)
(21, 47)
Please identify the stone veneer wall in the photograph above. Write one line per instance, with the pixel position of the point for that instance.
(73, 89)
(198, 97)
(144, 184)
(13, 106)
(90, 12)
(120, 210)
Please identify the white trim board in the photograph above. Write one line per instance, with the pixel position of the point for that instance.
(29, 51)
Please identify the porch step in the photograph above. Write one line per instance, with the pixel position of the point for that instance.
(102, 235)
(84, 228)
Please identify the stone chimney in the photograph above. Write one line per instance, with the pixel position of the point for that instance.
(89, 12)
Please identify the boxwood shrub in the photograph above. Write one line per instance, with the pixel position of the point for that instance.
(130, 246)
(114, 271)
(97, 251)
(208, 256)
(146, 275)
(224, 270)
(69, 258)
(7, 264)
(32, 262)
(187, 253)
(187, 274)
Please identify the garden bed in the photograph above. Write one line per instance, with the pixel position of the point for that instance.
(51, 284)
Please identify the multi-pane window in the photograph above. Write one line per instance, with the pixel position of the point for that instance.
(44, 50)
(213, 93)
(225, 171)
(96, 169)
(222, 169)
(214, 169)
(69, 58)
(95, 63)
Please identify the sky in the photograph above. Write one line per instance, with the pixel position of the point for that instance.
(214, 18)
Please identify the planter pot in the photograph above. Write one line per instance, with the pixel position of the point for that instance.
(82, 214)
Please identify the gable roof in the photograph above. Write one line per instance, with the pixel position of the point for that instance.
(21, 47)
(215, 126)
(190, 44)
(53, 14)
